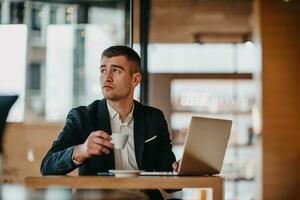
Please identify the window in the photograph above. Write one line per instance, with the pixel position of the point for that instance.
(35, 76)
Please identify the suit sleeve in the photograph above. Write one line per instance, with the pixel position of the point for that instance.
(58, 160)
(164, 153)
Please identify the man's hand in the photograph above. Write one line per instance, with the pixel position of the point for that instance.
(97, 143)
(176, 165)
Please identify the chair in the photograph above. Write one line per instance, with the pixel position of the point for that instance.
(6, 102)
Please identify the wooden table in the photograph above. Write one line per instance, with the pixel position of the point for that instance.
(141, 182)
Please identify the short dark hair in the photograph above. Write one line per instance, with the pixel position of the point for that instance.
(128, 52)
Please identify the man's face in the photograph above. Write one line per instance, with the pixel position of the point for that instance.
(117, 81)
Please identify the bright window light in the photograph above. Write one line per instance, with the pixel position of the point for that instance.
(13, 47)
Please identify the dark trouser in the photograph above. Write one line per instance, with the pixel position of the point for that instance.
(154, 194)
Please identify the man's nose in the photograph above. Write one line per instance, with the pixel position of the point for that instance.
(108, 76)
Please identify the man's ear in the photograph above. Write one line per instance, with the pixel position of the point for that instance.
(137, 78)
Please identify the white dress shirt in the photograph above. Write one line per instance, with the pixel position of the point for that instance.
(124, 158)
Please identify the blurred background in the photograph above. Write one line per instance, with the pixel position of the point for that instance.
(232, 59)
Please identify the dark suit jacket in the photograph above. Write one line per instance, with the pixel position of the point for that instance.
(81, 121)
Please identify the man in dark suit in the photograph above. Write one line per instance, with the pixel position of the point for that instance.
(85, 140)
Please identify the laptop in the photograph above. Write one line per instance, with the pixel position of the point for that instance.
(204, 148)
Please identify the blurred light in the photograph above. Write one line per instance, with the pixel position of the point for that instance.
(41, 14)
(58, 193)
(82, 34)
(30, 155)
(286, 0)
(13, 192)
(70, 10)
(249, 44)
(256, 119)
(69, 18)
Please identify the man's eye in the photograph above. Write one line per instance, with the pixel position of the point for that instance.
(102, 71)
(117, 71)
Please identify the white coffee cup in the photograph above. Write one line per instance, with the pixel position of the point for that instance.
(119, 140)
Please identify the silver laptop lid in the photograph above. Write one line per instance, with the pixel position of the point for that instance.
(205, 146)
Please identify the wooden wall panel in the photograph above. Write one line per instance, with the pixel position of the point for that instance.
(24, 147)
(177, 21)
(280, 37)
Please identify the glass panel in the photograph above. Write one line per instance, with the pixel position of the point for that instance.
(16, 12)
(213, 96)
(53, 15)
(228, 99)
(34, 76)
(72, 63)
(36, 18)
(0, 12)
(205, 58)
(13, 66)
(62, 51)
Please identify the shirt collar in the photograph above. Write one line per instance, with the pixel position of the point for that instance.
(111, 111)
(113, 114)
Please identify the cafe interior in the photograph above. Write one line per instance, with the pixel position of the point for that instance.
(228, 59)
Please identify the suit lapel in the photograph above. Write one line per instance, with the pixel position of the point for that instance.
(103, 123)
(139, 132)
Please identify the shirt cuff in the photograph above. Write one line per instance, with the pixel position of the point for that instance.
(73, 159)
